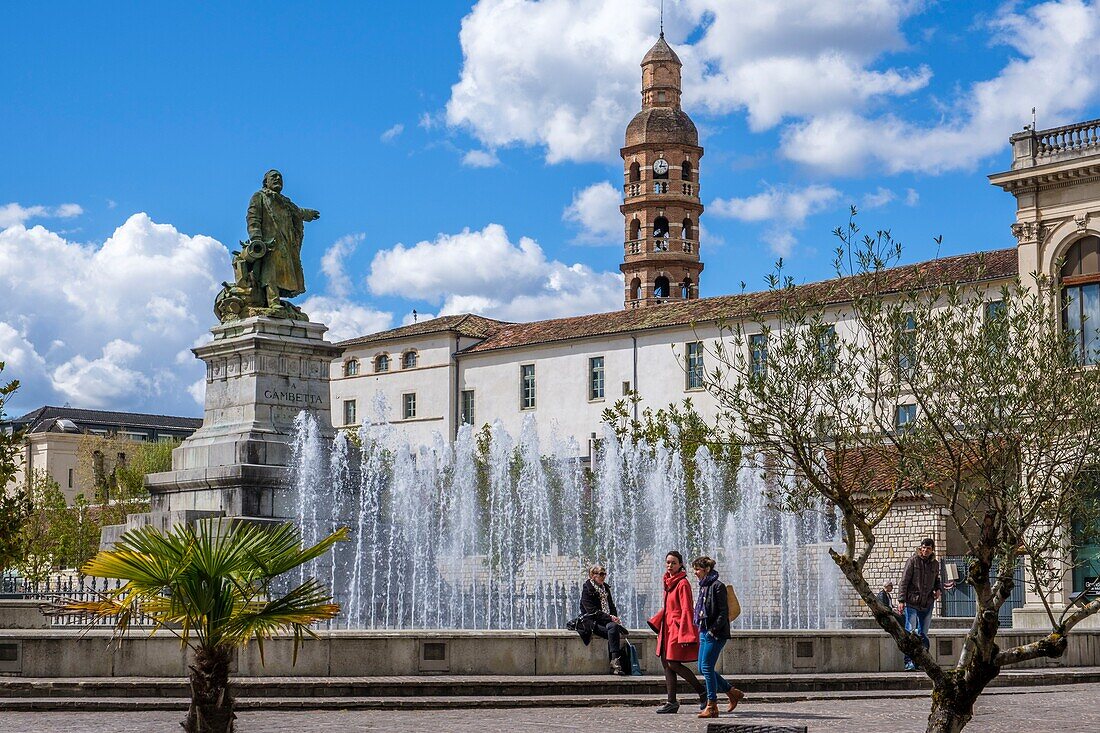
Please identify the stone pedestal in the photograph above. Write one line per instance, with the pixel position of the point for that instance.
(260, 373)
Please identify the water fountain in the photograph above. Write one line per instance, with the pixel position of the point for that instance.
(494, 532)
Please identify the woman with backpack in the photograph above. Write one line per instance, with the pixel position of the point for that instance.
(677, 637)
(712, 616)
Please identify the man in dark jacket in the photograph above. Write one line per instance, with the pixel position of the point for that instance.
(599, 616)
(919, 591)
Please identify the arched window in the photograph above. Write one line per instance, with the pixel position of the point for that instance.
(382, 363)
(409, 360)
(1081, 298)
(660, 227)
(635, 172)
(636, 289)
(351, 367)
(688, 230)
(635, 229)
(660, 287)
(685, 170)
(685, 289)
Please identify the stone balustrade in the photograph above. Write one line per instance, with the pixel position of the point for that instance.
(1039, 147)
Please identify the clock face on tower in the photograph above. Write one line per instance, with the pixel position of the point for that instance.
(660, 166)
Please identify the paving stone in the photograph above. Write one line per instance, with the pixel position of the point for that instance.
(1004, 710)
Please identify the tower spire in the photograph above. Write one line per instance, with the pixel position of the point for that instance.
(662, 18)
(661, 205)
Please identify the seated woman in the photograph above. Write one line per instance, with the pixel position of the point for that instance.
(600, 617)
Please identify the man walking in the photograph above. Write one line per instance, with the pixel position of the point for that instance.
(919, 590)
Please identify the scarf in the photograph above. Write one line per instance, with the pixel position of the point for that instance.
(601, 591)
(700, 612)
(671, 579)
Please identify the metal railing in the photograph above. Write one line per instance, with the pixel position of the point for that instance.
(962, 601)
(661, 245)
(58, 589)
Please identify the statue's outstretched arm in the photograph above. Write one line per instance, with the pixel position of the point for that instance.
(309, 214)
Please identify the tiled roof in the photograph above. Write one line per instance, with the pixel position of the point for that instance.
(465, 324)
(973, 267)
(42, 419)
(661, 51)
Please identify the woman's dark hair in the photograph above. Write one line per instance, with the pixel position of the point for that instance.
(703, 562)
(676, 555)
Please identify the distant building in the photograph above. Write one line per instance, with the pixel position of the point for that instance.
(54, 435)
(436, 375)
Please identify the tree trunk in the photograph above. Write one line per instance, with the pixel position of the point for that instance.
(948, 716)
(953, 699)
(211, 709)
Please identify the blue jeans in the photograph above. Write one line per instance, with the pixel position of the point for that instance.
(709, 649)
(917, 620)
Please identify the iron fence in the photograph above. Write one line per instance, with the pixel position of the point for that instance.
(962, 601)
(58, 589)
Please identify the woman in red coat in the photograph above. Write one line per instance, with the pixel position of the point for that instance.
(677, 636)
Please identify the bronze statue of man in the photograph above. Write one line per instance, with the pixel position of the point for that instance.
(275, 223)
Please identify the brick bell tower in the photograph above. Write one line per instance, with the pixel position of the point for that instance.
(661, 203)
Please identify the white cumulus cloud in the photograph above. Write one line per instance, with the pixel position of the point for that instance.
(345, 319)
(595, 210)
(563, 74)
(332, 264)
(391, 134)
(101, 325)
(12, 214)
(480, 159)
(485, 272)
(787, 209)
(1056, 49)
(878, 198)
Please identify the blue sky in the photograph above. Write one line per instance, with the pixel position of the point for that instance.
(464, 156)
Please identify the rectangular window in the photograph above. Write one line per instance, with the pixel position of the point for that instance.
(907, 345)
(994, 309)
(467, 409)
(70, 478)
(408, 405)
(904, 417)
(349, 412)
(527, 387)
(694, 365)
(827, 346)
(595, 378)
(626, 389)
(758, 354)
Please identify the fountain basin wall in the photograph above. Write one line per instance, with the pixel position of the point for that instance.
(76, 653)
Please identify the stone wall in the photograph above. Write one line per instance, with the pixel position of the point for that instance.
(78, 653)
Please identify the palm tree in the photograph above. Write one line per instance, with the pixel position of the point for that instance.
(211, 584)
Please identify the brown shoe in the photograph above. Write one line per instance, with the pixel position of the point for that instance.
(735, 696)
(710, 711)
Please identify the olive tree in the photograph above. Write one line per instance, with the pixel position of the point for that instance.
(14, 503)
(930, 383)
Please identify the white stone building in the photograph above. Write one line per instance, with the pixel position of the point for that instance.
(437, 374)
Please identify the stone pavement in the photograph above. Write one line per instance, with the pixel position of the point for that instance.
(1004, 710)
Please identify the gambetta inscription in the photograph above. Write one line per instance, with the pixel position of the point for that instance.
(298, 398)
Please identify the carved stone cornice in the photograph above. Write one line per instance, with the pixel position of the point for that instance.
(1038, 232)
